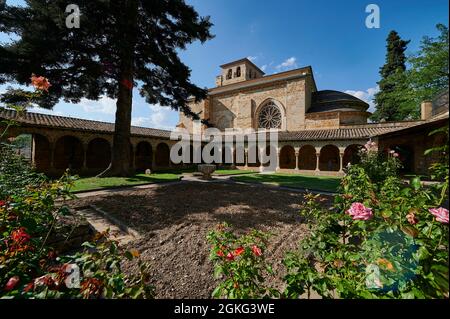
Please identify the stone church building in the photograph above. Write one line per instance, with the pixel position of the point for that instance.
(319, 131)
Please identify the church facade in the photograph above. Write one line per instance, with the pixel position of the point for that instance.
(289, 101)
(319, 131)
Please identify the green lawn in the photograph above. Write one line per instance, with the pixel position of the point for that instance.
(95, 183)
(232, 172)
(322, 183)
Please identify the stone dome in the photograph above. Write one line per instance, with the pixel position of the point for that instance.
(335, 101)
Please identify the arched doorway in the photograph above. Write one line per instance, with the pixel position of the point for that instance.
(98, 154)
(307, 158)
(351, 154)
(41, 155)
(287, 157)
(162, 155)
(329, 158)
(69, 153)
(144, 156)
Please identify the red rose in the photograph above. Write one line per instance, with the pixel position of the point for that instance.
(220, 253)
(230, 256)
(256, 250)
(20, 236)
(12, 282)
(239, 251)
(2, 203)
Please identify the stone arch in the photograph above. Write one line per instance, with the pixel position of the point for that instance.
(287, 157)
(143, 156)
(329, 159)
(41, 156)
(264, 104)
(351, 154)
(98, 154)
(69, 153)
(307, 158)
(162, 155)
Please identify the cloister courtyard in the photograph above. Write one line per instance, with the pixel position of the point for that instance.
(172, 221)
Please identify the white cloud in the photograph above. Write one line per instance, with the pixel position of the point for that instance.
(159, 118)
(367, 96)
(104, 105)
(252, 58)
(288, 64)
(264, 68)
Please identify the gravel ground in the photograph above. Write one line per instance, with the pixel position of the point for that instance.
(173, 221)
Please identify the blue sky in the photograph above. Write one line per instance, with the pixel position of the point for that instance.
(329, 35)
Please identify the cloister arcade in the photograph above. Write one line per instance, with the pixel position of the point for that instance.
(54, 151)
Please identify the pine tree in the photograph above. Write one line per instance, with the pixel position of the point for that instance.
(120, 45)
(387, 100)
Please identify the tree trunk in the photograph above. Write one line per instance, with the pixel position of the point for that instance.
(120, 156)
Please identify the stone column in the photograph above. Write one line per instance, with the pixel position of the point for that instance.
(278, 159)
(341, 159)
(246, 158)
(317, 161)
(233, 164)
(297, 153)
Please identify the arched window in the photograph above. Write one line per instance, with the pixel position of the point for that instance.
(238, 72)
(229, 74)
(269, 116)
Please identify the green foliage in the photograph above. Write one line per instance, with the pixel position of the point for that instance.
(399, 251)
(392, 78)
(29, 267)
(16, 173)
(375, 165)
(428, 74)
(239, 263)
(401, 92)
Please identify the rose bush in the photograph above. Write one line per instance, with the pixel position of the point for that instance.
(383, 238)
(29, 214)
(239, 263)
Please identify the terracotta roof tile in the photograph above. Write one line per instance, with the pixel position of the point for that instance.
(62, 122)
(363, 132)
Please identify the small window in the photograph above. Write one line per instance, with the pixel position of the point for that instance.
(229, 74)
(238, 72)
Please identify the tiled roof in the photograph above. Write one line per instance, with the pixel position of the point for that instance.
(350, 133)
(62, 122)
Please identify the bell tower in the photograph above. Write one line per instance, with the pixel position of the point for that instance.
(238, 71)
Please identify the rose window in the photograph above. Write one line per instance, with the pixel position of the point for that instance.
(269, 116)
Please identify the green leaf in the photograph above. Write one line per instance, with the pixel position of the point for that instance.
(415, 183)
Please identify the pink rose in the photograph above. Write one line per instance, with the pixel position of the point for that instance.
(440, 213)
(411, 218)
(360, 212)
